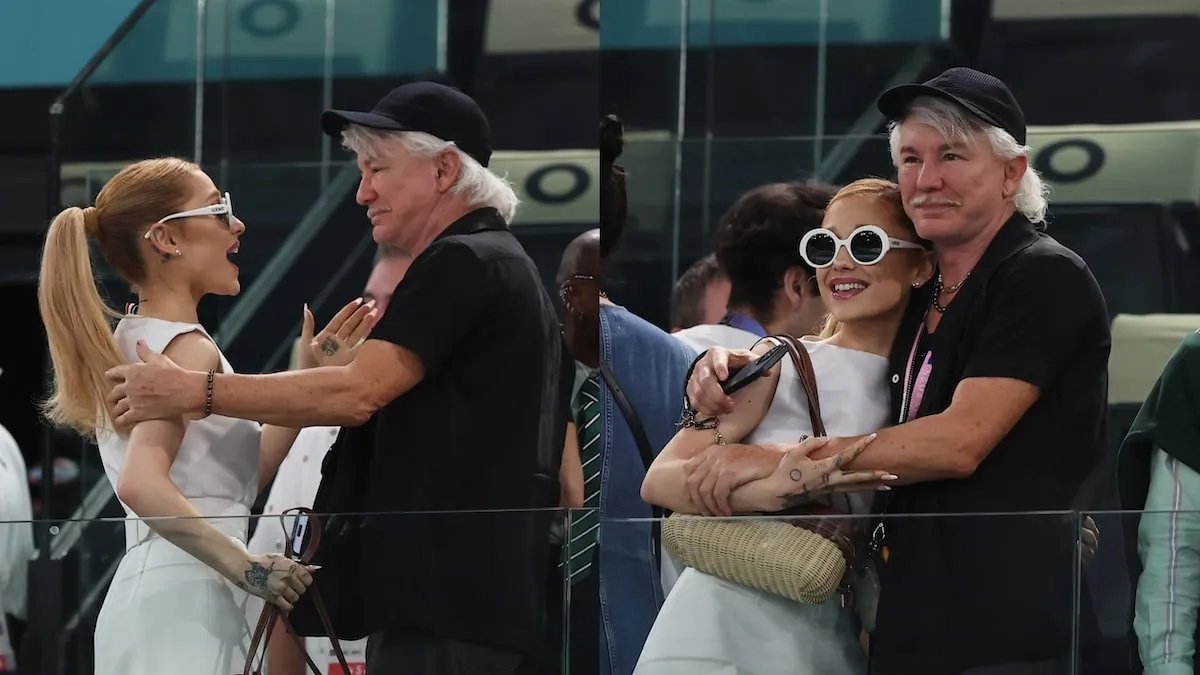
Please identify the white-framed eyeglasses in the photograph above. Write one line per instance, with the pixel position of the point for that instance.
(867, 245)
(222, 209)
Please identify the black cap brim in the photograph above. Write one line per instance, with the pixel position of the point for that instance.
(334, 122)
(893, 103)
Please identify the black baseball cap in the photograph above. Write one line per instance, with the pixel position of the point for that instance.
(984, 96)
(436, 109)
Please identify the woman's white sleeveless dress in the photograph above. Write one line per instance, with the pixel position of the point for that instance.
(166, 612)
(708, 626)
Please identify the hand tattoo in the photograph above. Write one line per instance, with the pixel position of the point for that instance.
(794, 499)
(257, 578)
(802, 496)
(330, 346)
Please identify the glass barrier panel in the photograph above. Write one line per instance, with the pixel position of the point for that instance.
(971, 593)
(802, 67)
(492, 579)
(1111, 571)
(141, 101)
(641, 63)
(1063, 591)
(274, 66)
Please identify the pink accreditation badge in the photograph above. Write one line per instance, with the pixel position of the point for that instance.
(919, 384)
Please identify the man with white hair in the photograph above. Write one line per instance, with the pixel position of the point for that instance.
(999, 387)
(454, 410)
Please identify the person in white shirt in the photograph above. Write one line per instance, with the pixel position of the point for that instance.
(700, 296)
(296, 484)
(771, 289)
(16, 543)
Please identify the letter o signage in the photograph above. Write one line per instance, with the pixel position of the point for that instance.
(535, 184)
(251, 18)
(1044, 162)
(587, 13)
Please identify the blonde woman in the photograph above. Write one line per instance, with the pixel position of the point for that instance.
(868, 259)
(176, 603)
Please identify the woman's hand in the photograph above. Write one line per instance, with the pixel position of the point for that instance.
(274, 578)
(798, 479)
(339, 342)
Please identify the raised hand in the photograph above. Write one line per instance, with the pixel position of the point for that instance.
(338, 343)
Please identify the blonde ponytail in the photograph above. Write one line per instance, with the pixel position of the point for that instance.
(78, 331)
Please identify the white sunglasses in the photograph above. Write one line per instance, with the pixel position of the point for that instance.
(867, 245)
(224, 209)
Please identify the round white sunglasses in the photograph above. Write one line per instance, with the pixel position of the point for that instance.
(867, 245)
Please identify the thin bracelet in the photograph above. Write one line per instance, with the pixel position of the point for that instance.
(208, 393)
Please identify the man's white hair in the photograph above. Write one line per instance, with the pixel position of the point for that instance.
(478, 186)
(956, 125)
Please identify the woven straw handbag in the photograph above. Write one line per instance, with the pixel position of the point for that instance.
(803, 559)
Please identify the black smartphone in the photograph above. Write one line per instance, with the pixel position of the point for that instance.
(756, 369)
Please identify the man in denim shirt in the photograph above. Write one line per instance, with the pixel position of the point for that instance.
(649, 366)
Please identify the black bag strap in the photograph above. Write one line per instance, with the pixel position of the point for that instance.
(643, 445)
(631, 416)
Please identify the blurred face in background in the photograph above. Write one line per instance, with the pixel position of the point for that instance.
(579, 290)
(385, 276)
(714, 301)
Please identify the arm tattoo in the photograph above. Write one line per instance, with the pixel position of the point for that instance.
(330, 346)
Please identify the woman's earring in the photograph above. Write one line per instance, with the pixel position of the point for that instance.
(916, 284)
(178, 252)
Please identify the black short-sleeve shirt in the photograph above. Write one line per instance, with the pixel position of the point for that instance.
(970, 591)
(483, 431)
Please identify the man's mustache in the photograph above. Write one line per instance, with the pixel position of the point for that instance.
(923, 200)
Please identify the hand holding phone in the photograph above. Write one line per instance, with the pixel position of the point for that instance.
(742, 377)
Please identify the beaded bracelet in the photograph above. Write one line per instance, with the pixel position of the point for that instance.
(208, 393)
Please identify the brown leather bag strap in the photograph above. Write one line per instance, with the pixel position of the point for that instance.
(266, 620)
(262, 636)
(808, 379)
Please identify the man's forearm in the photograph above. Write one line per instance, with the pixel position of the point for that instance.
(926, 449)
(298, 398)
